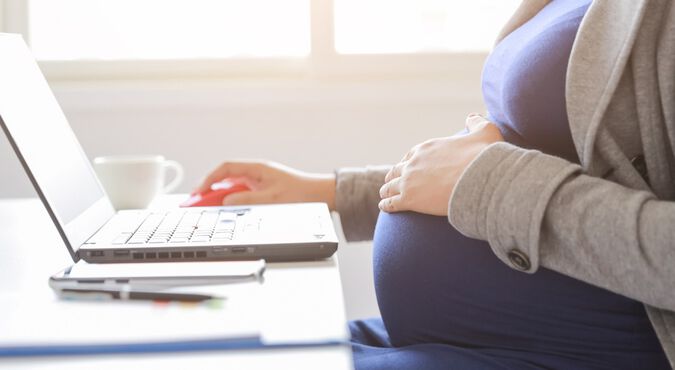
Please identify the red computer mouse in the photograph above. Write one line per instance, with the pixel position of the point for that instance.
(214, 197)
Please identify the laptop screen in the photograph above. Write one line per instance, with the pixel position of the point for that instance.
(47, 146)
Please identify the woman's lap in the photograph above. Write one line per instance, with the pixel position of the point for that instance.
(447, 297)
(372, 351)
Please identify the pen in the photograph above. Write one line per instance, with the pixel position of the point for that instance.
(128, 294)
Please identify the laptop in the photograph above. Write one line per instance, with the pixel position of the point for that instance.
(93, 231)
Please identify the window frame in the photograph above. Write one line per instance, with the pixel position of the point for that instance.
(322, 63)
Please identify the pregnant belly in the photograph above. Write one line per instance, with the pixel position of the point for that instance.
(435, 285)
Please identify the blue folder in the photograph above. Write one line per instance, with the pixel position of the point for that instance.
(157, 347)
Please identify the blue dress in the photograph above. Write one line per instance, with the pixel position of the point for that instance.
(447, 302)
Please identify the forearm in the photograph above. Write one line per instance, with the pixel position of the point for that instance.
(356, 199)
(588, 228)
(618, 238)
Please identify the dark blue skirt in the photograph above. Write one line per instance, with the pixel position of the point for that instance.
(447, 302)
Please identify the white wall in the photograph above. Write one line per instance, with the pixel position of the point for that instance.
(309, 125)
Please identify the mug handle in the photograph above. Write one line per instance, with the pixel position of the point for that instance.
(178, 176)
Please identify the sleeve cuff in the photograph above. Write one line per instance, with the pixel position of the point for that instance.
(356, 198)
(501, 197)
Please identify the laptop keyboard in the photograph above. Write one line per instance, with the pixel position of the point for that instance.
(182, 227)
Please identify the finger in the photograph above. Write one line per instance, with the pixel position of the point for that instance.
(229, 169)
(391, 204)
(246, 197)
(409, 154)
(391, 188)
(474, 122)
(395, 172)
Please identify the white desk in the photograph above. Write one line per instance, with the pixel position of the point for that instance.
(301, 297)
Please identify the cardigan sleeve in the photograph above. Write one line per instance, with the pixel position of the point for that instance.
(357, 193)
(539, 210)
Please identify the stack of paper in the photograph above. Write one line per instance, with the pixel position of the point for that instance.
(66, 327)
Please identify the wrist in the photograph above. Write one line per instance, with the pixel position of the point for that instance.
(325, 185)
(323, 189)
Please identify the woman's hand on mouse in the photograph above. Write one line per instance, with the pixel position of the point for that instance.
(271, 182)
(423, 181)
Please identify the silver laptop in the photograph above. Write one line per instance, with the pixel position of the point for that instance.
(91, 229)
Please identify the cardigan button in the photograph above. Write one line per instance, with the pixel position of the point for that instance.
(519, 260)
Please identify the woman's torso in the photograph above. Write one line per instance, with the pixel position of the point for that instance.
(435, 285)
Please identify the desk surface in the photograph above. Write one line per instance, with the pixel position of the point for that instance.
(304, 298)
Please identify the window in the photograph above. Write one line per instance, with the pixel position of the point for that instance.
(168, 29)
(246, 36)
(413, 26)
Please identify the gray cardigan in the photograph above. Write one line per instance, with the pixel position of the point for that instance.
(609, 222)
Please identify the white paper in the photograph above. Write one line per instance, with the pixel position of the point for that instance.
(58, 322)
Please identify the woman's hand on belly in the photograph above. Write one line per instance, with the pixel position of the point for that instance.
(425, 178)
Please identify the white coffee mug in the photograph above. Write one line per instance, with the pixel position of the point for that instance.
(133, 181)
